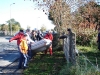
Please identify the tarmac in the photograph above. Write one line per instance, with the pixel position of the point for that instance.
(8, 51)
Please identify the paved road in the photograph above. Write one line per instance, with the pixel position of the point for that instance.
(8, 53)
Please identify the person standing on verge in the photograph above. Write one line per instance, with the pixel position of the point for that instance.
(18, 37)
(50, 37)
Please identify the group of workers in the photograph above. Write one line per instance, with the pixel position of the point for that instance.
(24, 41)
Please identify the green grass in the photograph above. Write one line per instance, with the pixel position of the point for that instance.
(85, 49)
(83, 66)
(45, 64)
(56, 65)
(92, 53)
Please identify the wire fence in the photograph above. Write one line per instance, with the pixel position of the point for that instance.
(70, 50)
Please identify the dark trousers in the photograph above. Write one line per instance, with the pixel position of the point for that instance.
(21, 59)
(30, 53)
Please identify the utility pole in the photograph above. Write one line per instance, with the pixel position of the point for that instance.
(10, 19)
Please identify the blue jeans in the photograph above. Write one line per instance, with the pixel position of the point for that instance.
(23, 58)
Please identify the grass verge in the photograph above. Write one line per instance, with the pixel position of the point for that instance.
(56, 64)
(46, 64)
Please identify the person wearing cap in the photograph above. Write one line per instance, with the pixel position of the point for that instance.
(50, 37)
(18, 37)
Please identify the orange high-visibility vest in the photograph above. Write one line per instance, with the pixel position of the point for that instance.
(24, 46)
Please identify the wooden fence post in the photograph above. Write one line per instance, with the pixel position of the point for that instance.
(69, 43)
(66, 49)
(72, 43)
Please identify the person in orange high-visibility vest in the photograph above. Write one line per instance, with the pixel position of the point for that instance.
(24, 50)
(50, 37)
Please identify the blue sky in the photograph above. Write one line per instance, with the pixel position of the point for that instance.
(25, 12)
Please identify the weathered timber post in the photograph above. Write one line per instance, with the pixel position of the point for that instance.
(69, 42)
(72, 43)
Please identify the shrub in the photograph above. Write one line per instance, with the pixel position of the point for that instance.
(55, 40)
(85, 39)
